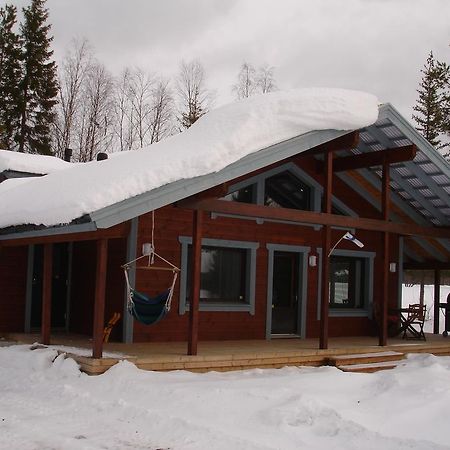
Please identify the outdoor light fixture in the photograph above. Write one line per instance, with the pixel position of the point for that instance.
(147, 249)
(392, 267)
(312, 260)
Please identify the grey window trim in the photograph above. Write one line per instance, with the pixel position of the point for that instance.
(128, 321)
(259, 181)
(303, 284)
(350, 312)
(251, 275)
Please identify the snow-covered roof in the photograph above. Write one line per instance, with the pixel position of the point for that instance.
(219, 139)
(29, 163)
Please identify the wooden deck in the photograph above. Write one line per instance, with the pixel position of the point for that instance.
(235, 355)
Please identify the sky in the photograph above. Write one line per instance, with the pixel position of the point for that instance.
(378, 46)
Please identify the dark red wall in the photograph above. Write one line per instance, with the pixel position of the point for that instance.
(13, 281)
(83, 285)
(171, 223)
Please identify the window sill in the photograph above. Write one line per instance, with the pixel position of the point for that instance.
(224, 307)
(347, 312)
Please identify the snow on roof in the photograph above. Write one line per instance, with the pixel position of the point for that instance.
(26, 162)
(221, 137)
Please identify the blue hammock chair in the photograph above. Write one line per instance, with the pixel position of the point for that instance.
(149, 310)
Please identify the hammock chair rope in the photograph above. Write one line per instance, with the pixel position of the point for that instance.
(143, 308)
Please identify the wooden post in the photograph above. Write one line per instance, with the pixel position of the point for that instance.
(437, 300)
(385, 207)
(326, 245)
(195, 281)
(99, 305)
(47, 294)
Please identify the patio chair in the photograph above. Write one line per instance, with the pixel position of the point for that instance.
(413, 322)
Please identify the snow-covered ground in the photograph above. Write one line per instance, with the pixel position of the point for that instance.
(46, 403)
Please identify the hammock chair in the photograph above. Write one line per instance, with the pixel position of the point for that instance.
(149, 310)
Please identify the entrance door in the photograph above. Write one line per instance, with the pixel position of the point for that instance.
(59, 286)
(285, 290)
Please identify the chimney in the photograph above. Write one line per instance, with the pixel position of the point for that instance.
(102, 156)
(67, 154)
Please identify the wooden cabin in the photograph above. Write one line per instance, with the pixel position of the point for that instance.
(255, 244)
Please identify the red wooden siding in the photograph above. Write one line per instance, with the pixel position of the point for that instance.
(173, 222)
(13, 281)
(83, 285)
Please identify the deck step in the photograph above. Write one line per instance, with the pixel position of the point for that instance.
(370, 367)
(366, 362)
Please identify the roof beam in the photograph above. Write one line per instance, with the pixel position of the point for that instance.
(427, 265)
(298, 216)
(345, 142)
(413, 168)
(378, 158)
(414, 193)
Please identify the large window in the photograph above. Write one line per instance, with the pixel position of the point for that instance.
(347, 282)
(285, 190)
(223, 275)
(228, 273)
(246, 194)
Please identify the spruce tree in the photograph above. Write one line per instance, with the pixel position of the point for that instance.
(38, 86)
(10, 73)
(430, 106)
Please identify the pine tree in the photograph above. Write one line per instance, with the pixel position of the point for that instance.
(194, 97)
(430, 106)
(10, 73)
(38, 86)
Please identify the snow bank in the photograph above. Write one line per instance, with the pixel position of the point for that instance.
(25, 162)
(218, 139)
(48, 403)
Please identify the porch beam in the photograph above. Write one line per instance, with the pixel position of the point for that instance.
(427, 265)
(346, 142)
(378, 158)
(99, 301)
(47, 294)
(437, 300)
(326, 245)
(196, 275)
(316, 218)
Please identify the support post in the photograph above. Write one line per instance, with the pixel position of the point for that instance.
(99, 305)
(437, 300)
(195, 284)
(47, 294)
(385, 207)
(326, 244)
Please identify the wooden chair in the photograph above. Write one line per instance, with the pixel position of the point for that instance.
(107, 330)
(413, 322)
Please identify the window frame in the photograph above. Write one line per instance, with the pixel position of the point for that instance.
(249, 247)
(366, 310)
(259, 180)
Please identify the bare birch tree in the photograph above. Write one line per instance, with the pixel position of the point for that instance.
(124, 129)
(246, 83)
(265, 79)
(193, 97)
(251, 81)
(141, 87)
(75, 67)
(161, 118)
(94, 131)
